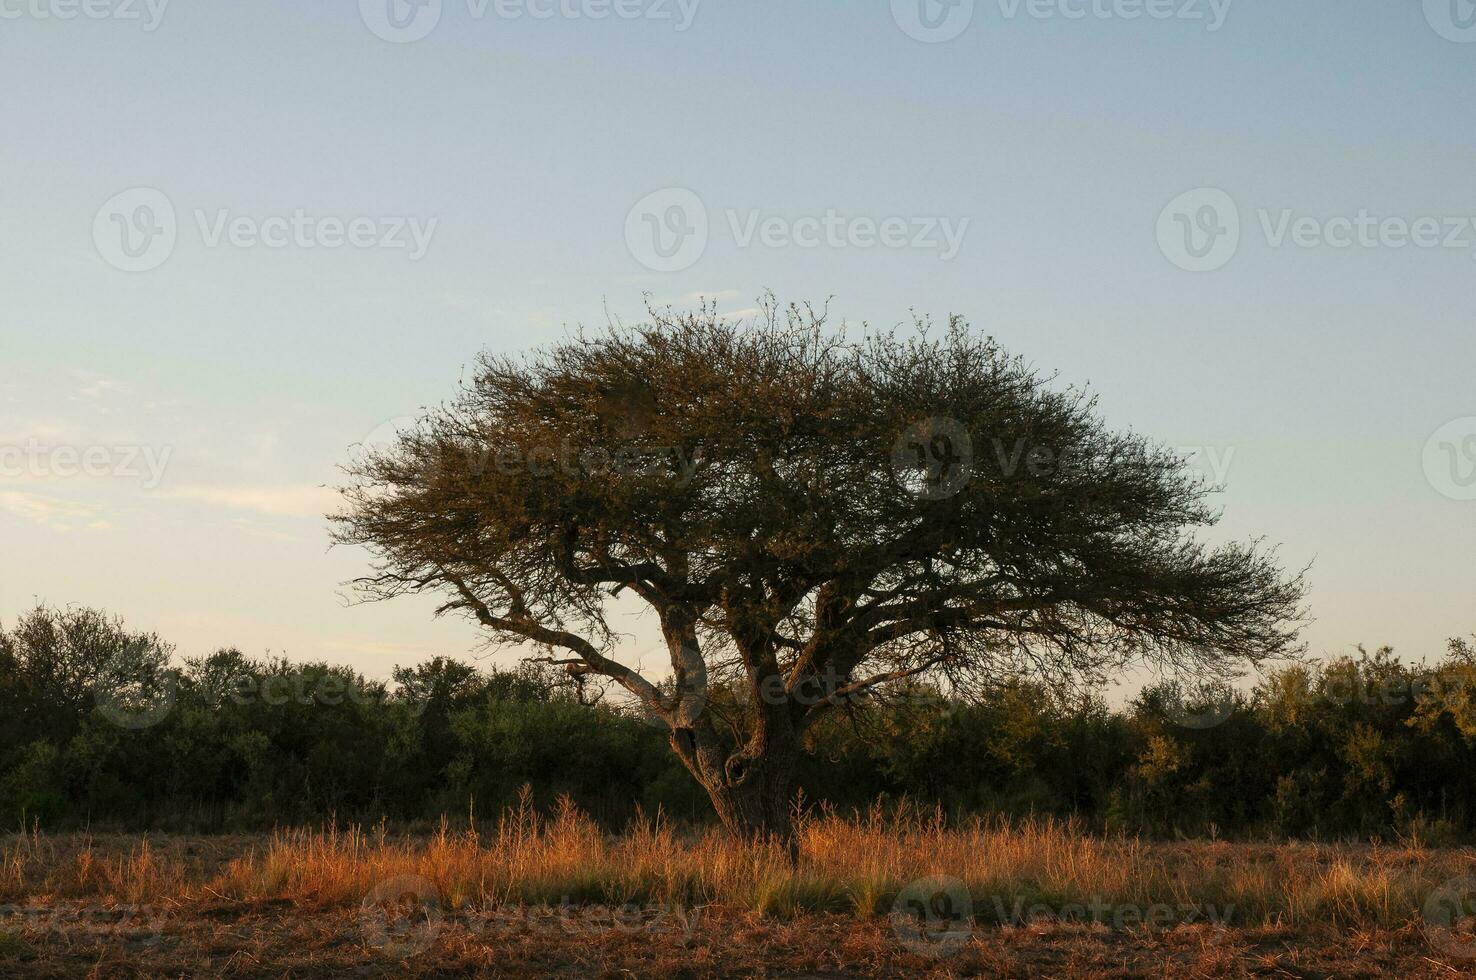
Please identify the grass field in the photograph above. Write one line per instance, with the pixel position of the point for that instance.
(871, 896)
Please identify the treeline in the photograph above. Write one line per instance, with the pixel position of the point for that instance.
(101, 727)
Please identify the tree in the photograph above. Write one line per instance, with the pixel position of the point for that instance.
(809, 517)
(58, 665)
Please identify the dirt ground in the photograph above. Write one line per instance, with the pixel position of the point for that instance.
(280, 939)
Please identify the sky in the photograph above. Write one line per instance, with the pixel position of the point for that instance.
(238, 239)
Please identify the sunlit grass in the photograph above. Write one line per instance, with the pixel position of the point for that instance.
(854, 865)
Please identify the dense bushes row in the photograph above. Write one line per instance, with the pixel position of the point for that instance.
(96, 729)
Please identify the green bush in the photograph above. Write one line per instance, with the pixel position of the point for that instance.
(1363, 746)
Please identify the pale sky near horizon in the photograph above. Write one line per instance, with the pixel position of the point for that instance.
(1323, 360)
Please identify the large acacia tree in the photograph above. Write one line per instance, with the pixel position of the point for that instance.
(808, 517)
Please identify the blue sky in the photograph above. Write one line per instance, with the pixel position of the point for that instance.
(1325, 380)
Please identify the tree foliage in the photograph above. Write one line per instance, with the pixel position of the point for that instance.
(808, 516)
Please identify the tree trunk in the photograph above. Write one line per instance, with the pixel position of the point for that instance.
(750, 789)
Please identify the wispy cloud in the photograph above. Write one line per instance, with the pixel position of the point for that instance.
(17, 430)
(59, 515)
(99, 387)
(281, 501)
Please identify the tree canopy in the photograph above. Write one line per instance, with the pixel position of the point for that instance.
(811, 516)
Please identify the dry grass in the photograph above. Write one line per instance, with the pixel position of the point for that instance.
(1038, 888)
(855, 866)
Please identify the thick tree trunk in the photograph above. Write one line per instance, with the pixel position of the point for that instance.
(759, 805)
(750, 789)
(749, 786)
